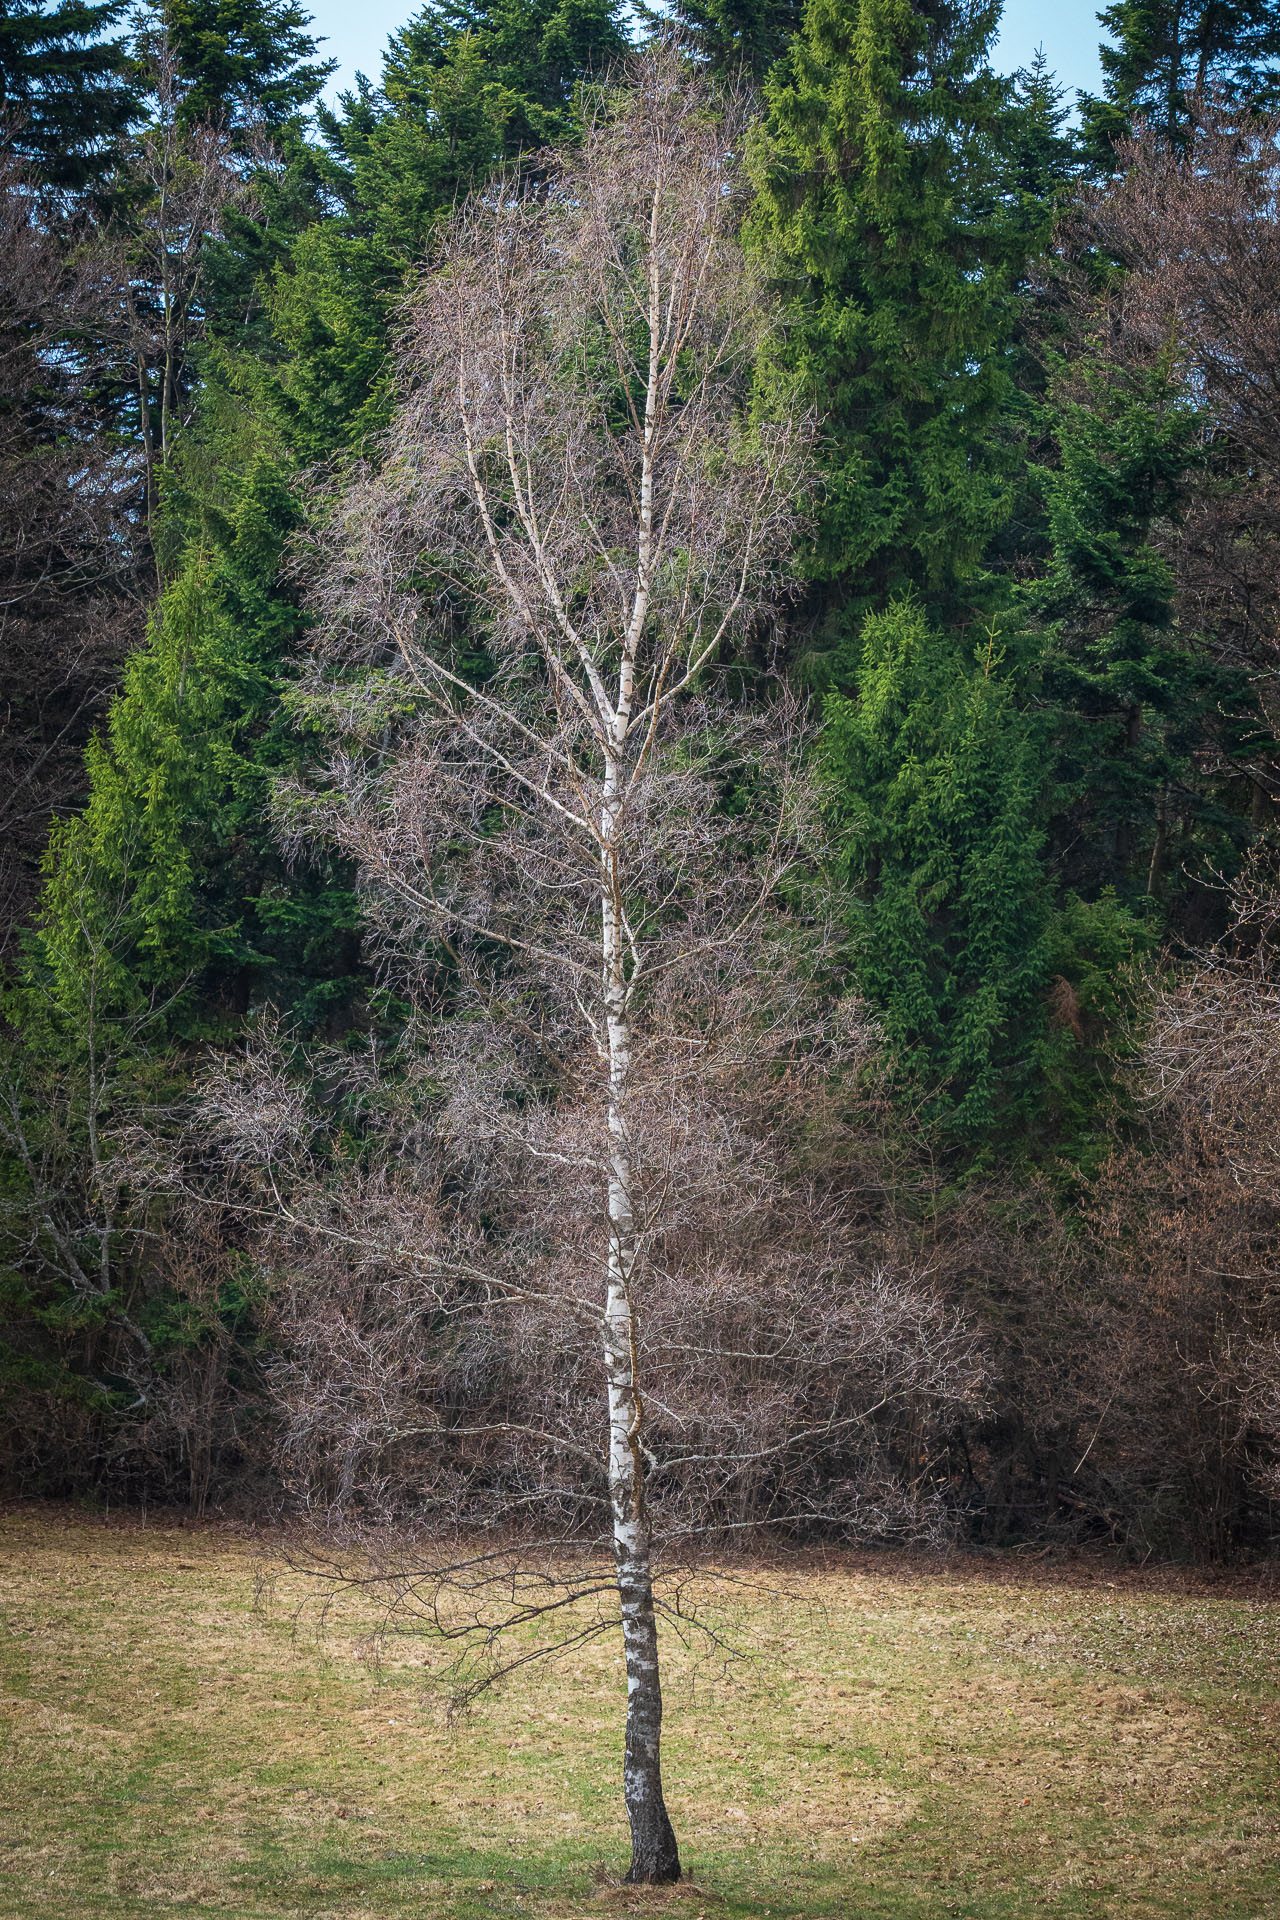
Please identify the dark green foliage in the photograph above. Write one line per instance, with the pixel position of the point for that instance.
(902, 189)
(886, 212)
(168, 915)
(999, 997)
(329, 311)
(1161, 54)
(64, 86)
(1043, 170)
(170, 878)
(463, 89)
(248, 65)
(737, 38)
(1140, 709)
(935, 780)
(1096, 950)
(244, 61)
(465, 70)
(1042, 157)
(290, 194)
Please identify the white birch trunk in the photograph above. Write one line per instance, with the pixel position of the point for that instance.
(654, 1855)
(639, 259)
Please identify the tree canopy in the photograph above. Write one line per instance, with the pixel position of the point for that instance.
(1013, 614)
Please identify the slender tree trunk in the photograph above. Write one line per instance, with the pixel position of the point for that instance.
(654, 1854)
(1161, 842)
(148, 439)
(1175, 81)
(1261, 806)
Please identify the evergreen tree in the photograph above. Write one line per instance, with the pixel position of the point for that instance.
(998, 993)
(248, 67)
(732, 37)
(171, 868)
(1163, 53)
(1146, 723)
(1045, 165)
(465, 88)
(244, 61)
(526, 56)
(1043, 157)
(885, 209)
(902, 190)
(64, 86)
(935, 777)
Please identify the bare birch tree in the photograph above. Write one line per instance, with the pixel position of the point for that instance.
(573, 840)
(572, 464)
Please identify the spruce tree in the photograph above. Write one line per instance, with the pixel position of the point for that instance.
(464, 89)
(248, 67)
(736, 38)
(1043, 157)
(65, 86)
(1162, 54)
(885, 210)
(171, 870)
(1146, 723)
(244, 62)
(1045, 165)
(935, 774)
(998, 992)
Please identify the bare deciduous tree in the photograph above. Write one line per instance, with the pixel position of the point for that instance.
(573, 466)
(67, 575)
(577, 1252)
(1197, 231)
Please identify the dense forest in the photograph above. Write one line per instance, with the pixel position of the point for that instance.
(943, 1153)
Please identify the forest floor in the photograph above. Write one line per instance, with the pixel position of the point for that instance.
(897, 1740)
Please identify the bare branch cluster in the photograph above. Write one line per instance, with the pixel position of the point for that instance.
(66, 611)
(1209, 1241)
(565, 1267)
(1197, 231)
(435, 1366)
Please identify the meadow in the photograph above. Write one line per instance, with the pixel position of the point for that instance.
(895, 1739)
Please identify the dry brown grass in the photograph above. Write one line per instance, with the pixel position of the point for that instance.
(899, 1741)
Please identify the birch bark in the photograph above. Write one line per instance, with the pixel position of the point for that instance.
(654, 1854)
(573, 459)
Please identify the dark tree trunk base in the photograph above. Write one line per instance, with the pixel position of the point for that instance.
(655, 1858)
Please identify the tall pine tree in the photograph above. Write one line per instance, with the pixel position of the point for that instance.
(1162, 54)
(935, 782)
(1146, 724)
(65, 87)
(886, 211)
(244, 62)
(998, 991)
(735, 38)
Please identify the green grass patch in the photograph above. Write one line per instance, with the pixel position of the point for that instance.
(900, 1741)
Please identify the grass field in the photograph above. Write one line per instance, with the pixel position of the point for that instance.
(899, 1741)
